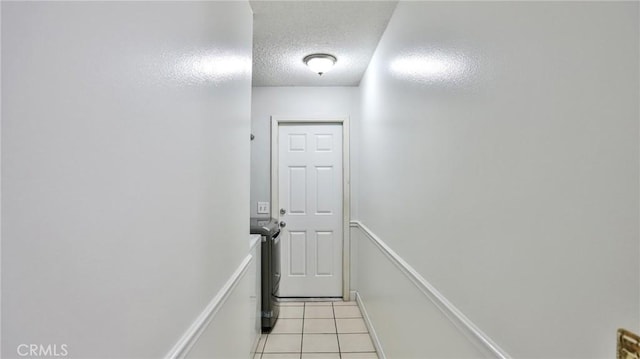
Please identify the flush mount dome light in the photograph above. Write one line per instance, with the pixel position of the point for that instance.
(320, 63)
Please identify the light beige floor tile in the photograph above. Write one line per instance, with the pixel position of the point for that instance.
(283, 343)
(257, 356)
(319, 326)
(287, 326)
(347, 311)
(319, 343)
(318, 312)
(312, 304)
(355, 343)
(359, 356)
(281, 356)
(351, 325)
(291, 304)
(263, 339)
(353, 302)
(291, 312)
(320, 355)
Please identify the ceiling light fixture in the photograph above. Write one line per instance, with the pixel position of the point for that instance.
(320, 63)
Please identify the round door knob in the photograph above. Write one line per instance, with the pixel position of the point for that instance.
(282, 224)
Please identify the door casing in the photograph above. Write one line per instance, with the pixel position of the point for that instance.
(346, 184)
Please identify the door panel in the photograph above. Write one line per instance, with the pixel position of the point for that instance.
(324, 253)
(297, 190)
(324, 188)
(297, 142)
(310, 190)
(297, 253)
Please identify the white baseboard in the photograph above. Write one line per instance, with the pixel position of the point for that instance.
(190, 337)
(372, 331)
(443, 304)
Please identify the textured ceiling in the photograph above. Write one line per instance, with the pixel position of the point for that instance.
(286, 31)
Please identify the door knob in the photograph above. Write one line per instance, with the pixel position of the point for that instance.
(283, 211)
(282, 224)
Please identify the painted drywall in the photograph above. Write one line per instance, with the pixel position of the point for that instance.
(231, 320)
(439, 336)
(291, 102)
(125, 161)
(499, 157)
(235, 318)
(255, 302)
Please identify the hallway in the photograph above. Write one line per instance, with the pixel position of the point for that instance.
(491, 203)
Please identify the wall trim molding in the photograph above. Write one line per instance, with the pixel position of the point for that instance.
(191, 336)
(372, 331)
(443, 304)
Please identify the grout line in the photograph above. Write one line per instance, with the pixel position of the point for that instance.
(304, 314)
(335, 322)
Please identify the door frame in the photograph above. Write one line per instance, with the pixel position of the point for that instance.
(346, 184)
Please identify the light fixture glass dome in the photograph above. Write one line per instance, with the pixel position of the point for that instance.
(320, 63)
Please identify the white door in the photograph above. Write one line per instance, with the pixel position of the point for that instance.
(310, 194)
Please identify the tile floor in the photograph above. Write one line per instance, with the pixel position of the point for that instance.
(317, 330)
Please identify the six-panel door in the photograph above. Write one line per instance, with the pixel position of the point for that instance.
(310, 191)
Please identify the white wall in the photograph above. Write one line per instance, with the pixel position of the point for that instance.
(124, 210)
(291, 102)
(412, 326)
(255, 302)
(499, 158)
(224, 336)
